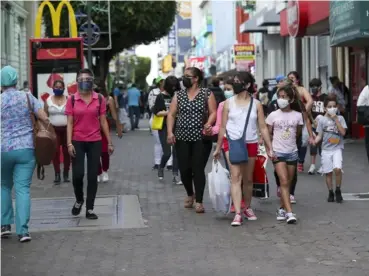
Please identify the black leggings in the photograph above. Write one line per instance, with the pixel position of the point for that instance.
(208, 146)
(93, 152)
(191, 162)
(168, 150)
(293, 184)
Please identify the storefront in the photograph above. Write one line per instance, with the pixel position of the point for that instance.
(349, 24)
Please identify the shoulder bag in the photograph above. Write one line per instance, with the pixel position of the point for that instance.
(237, 149)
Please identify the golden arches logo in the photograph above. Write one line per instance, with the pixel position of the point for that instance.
(55, 18)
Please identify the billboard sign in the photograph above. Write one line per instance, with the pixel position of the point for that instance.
(198, 62)
(183, 19)
(244, 56)
(172, 40)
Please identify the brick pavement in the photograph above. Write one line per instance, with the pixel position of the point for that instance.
(329, 239)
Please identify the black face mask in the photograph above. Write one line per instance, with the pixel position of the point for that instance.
(187, 82)
(314, 90)
(238, 88)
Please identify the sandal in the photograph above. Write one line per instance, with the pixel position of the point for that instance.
(199, 208)
(189, 202)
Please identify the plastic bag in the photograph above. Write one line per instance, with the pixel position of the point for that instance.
(219, 188)
(305, 137)
(261, 184)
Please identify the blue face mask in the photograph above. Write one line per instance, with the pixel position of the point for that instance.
(58, 91)
(228, 94)
(85, 86)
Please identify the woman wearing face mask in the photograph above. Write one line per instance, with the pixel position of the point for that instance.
(236, 110)
(285, 126)
(55, 108)
(86, 111)
(193, 114)
(161, 107)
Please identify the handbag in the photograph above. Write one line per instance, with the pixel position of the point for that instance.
(237, 150)
(44, 140)
(157, 122)
(363, 115)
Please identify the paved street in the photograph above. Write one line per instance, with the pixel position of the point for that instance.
(329, 239)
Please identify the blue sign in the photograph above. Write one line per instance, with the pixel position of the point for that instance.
(83, 32)
(172, 40)
(184, 29)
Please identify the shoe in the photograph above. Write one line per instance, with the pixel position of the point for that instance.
(243, 204)
(76, 210)
(281, 214)
(330, 196)
(292, 199)
(338, 193)
(24, 237)
(57, 179)
(161, 173)
(233, 210)
(169, 168)
(278, 192)
(177, 180)
(249, 214)
(66, 177)
(155, 167)
(99, 178)
(105, 177)
(300, 167)
(91, 215)
(290, 218)
(311, 169)
(5, 230)
(237, 221)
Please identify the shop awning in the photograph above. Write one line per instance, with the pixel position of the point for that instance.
(251, 25)
(349, 23)
(269, 18)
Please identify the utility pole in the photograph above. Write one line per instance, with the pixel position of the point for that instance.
(89, 36)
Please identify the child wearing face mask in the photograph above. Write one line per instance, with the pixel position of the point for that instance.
(331, 130)
(285, 126)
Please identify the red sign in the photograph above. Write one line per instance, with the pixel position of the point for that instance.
(198, 62)
(297, 17)
(57, 53)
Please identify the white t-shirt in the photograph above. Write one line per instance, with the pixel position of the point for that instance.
(152, 97)
(284, 130)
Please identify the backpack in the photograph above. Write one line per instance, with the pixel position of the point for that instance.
(45, 142)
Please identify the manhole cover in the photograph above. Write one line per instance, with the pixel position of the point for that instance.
(51, 214)
(355, 196)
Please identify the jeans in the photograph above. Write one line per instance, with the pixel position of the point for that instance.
(134, 116)
(93, 152)
(17, 168)
(61, 135)
(168, 151)
(190, 156)
(367, 141)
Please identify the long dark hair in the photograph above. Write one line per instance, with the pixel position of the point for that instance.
(246, 78)
(297, 76)
(171, 85)
(197, 73)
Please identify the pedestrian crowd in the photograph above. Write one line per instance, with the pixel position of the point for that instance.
(188, 121)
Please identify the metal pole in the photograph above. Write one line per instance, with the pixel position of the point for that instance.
(89, 35)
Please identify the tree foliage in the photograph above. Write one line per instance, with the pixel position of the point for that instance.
(132, 23)
(142, 69)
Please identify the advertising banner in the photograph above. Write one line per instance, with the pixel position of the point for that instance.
(172, 40)
(184, 29)
(244, 56)
(198, 62)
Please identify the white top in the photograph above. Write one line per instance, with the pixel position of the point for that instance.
(363, 99)
(152, 97)
(57, 115)
(237, 119)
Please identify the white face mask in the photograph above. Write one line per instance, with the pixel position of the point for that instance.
(221, 86)
(332, 110)
(228, 94)
(282, 103)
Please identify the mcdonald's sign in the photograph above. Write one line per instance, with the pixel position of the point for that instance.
(55, 18)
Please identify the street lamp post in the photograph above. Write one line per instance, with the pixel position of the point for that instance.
(89, 35)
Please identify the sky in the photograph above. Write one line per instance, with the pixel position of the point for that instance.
(150, 51)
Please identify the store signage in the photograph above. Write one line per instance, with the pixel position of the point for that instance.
(297, 17)
(172, 39)
(55, 18)
(198, 62)
(184, 22)
(244, 56)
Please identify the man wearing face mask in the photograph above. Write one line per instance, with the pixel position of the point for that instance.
(86, 111)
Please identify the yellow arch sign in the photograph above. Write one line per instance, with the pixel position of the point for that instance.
(55, 18)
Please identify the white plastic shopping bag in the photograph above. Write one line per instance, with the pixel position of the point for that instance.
(219, 188)
(305, 137)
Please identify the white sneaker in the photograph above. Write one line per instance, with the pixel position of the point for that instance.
(291, 219)
(105, 177)
(99, 178)
(292, 199)
(312, 169)
(281, 214)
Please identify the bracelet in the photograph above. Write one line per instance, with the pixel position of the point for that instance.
(111, 145)
(69, 145)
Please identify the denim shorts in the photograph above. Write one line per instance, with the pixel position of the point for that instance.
(288, 158)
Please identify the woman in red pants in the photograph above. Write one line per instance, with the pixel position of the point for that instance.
(105, 158)
(55, 108)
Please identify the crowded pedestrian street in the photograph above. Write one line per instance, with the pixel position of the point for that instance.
(153, 234)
